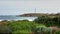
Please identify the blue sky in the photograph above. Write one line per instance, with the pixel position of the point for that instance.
(16, 7)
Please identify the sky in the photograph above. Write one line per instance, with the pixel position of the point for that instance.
(17, 7)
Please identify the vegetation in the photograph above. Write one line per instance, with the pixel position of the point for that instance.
(43, 30)
(41, 25)
(15, 27)
(48, 21)
(57, 32)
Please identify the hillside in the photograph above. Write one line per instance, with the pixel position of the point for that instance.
(39, 14)
(33, 14)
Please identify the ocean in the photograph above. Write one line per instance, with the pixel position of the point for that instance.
(14, 17)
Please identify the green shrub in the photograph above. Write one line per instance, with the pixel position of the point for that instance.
(57, 32)
(18, 26)
(5, 30)
(48, 21)
(43, 30)
(24, 27)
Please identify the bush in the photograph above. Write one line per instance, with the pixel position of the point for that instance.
(5, 30)
(42, 30)
(18, 26)
(57, 32)
(48, 21)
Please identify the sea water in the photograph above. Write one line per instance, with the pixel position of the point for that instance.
(14, 17)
